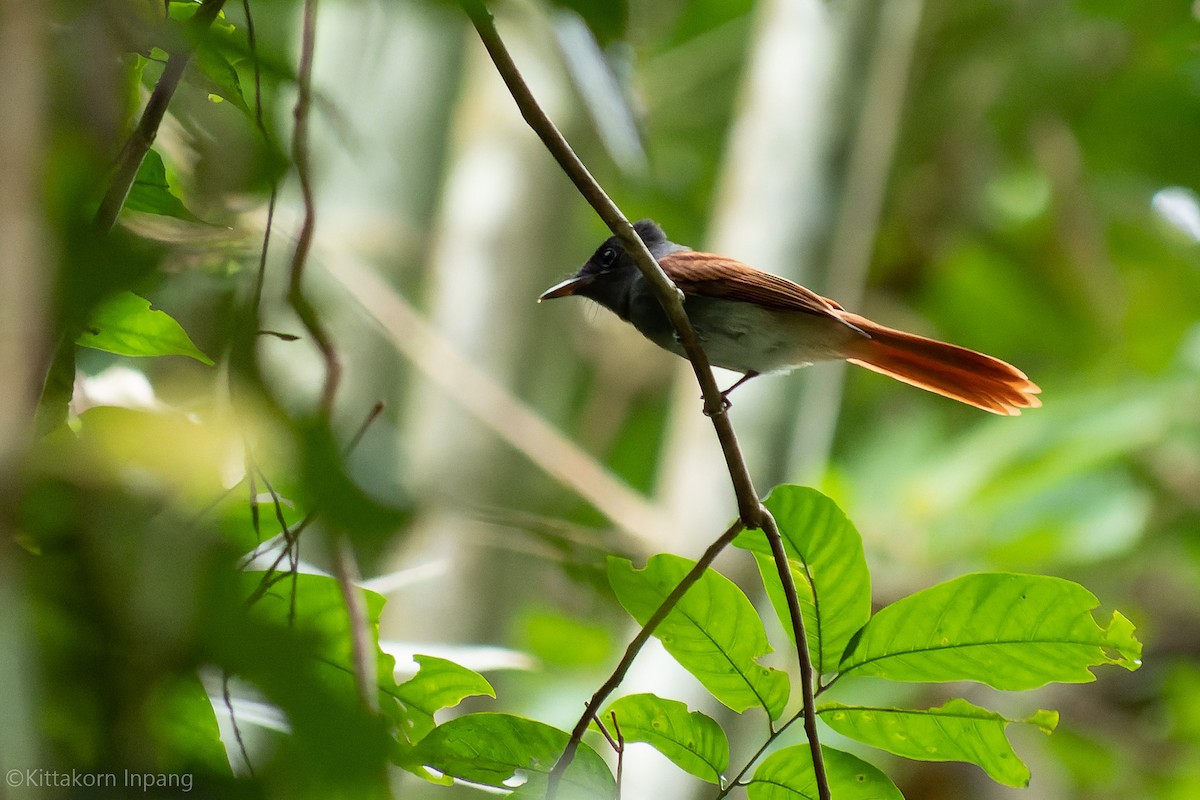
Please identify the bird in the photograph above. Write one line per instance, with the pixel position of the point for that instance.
(754, 322)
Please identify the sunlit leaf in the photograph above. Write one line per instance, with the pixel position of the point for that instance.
(788, 774)
(692, 741)
(1008, 631)
(713, 632)
(438, 684)
(956, 731)
(128, 326)
(828, 567)
(504, 751)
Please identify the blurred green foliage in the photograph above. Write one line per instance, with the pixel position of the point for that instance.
(1020, 218)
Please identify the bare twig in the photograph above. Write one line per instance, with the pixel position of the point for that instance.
(237, 729)
(138, 144)
(752, 514)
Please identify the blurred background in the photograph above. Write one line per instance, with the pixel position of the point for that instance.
(1018, 177)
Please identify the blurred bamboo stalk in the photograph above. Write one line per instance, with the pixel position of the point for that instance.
(856, 222)
(455, 376)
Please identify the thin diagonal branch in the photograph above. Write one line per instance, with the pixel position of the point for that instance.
(635, 647)
(667, 293)
(752, 513)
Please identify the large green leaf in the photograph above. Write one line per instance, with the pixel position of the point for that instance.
(128, 326)
(500, 750)
(713, 632)
(315, 606)
(957, 731)
(788, 775)
(828, 566)
(692, 741)
(152, 193)
(295, 644)
(438, 684)
(1008, 631)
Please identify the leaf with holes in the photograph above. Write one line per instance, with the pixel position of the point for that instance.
(438, 684)
(128, 326)
(692, 741)
(505, 751)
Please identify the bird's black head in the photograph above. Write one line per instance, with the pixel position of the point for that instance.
(610, 272)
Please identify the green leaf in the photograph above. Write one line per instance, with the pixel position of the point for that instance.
(318, 608)
(210, 68)
(1008, 631)
(128, 326)
(957, 731)
(151, 191)
(213, 73)
(828, 566)
(295, 642)
(183, 723)
(713, 632)
(788, 774)
(692, 741)
(500, 749)
(438, 684)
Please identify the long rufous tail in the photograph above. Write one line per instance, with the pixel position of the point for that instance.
(951, 371)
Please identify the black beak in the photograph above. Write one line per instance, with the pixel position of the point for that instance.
(566, 288)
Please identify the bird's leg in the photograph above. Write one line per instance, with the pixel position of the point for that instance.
(739, 382)
(725, 394)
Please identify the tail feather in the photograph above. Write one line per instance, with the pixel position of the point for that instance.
(946, 369)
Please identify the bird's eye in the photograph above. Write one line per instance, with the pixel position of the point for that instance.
(607, 257)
